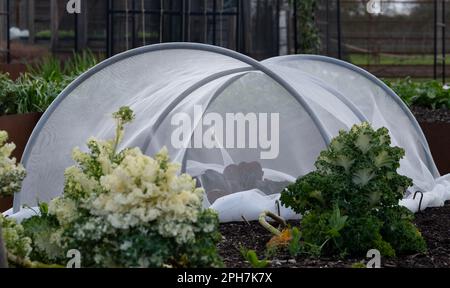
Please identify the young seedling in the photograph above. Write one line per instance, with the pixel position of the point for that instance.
(252, 258)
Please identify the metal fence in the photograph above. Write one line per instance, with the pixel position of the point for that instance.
(218, 23)
(408, 37)
(4, 33)
(112, 26)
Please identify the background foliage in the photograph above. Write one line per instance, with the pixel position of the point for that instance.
(308, 33)
(350, 203)
(35, 90)
(430, 94)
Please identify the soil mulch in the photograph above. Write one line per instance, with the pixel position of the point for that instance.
(427, 115)
(434, 223)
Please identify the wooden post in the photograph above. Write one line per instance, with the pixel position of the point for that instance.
(54, 23)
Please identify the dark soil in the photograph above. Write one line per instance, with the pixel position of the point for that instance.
(434, 223)
(427, 115)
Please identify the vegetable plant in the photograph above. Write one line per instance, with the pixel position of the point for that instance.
(430, 94)
(35, 90)
(125, 209)
(252, 258)
(350, 204)
(308, 35)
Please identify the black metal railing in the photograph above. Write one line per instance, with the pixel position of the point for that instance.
(184, 13)
(6, 13)
(337, 31)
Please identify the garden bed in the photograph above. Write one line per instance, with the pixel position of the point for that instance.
(436, 127)
(433, 222)
(426, 115)
(14, 70)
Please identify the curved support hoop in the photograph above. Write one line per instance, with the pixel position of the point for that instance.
(219, 91)
(185, 94)
(158, 47)
(386, 89)
(338, 95)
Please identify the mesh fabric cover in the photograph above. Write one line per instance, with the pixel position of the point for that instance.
(314, 97)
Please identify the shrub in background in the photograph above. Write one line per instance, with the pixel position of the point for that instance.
(308, 36)
(429, 94)
(350, 204)
(35, 90)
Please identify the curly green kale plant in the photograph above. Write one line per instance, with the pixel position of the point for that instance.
(17, 244)
(351, 201)
(125, 209)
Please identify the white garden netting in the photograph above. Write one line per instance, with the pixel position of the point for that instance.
(290, 108)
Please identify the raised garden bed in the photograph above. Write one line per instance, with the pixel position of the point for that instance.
(436, 127)
(426, 115)
(14, 70)
(433, 223)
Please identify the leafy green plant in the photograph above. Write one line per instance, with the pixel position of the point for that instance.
(252, 258)
(350, 202)
(35, 94)
(7, 95)
(308, 36)
(80, 63)
(295, 245)
(35, 90)
(290, 239)
(125, 209)
(49, 69)
(430, 94)
(359, 265)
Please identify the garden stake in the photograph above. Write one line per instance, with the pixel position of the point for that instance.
(270, 228)
(245, 220)
(421, 198)
(277, 203)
